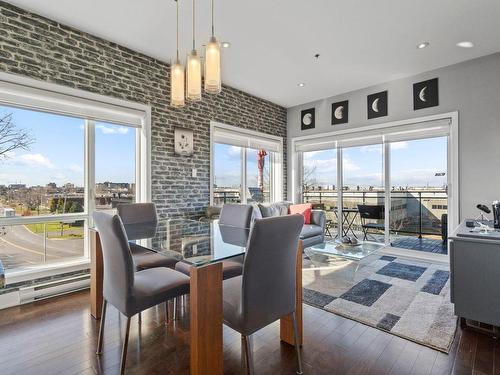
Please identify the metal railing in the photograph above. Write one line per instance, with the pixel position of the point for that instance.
(412, 211)
(233, 196)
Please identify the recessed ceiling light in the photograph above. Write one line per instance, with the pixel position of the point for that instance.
(301, 84)
(422, 45)
(226, 44)
(465, 44)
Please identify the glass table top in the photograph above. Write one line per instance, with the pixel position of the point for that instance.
(334, 248)
(194, 242)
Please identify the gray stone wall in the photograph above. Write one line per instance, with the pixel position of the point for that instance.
(33, 46)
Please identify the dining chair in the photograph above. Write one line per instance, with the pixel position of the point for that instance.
(130, 291)
(236, 215)
(141, 217)
(233, 215)
(265, 292)
(370, 216)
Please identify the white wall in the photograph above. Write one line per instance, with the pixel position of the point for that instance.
(472, 88)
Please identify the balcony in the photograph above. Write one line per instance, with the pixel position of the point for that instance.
(416, 219)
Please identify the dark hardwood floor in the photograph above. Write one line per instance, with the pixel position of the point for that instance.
(58, 336)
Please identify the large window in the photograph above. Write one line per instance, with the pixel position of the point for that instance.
(246, 166)
(55, 170)
(393, 185)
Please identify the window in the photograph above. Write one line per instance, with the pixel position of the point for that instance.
(319, 178)
(227, 174)
(58, 164)
(402, 170)
(115, 169)
(246, 166)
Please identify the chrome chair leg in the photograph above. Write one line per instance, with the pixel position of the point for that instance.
(124, 348)
(101, 327)
(297, 345)
(247, 347)
(175, 309)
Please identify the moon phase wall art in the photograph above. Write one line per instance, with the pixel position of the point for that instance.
(425, 94)
(377, 105)
(307, 119)
(340, 112)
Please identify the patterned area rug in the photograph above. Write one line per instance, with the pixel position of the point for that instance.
(407, 298)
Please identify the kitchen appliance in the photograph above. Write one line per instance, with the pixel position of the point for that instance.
(496, 214)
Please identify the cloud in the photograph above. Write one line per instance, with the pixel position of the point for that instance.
(234, 150)
(399, 145)
(75, 168)
(34, 160)
(112, 129)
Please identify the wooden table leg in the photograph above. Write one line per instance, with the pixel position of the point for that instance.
(206, 319)
(96, 275)
(286, 323)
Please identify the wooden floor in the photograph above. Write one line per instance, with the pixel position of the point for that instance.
(58, 336)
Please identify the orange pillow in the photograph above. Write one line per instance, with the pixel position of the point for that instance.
(303, 209)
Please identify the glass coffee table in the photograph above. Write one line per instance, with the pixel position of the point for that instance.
(332, 253)
(351, 252)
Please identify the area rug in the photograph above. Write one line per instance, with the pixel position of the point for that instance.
(407, 298)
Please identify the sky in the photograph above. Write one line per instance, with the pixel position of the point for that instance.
(57, 153)
(413, 163)
(227, 166)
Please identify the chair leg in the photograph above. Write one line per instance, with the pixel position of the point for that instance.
(124, 348)
(101, 327)
(245, 340)
(297, 345)
(175, 309)
(167, 315)
(140, 318)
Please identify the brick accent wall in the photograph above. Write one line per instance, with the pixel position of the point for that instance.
(34, 46)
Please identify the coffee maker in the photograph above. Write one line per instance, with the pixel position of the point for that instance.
(496, 214)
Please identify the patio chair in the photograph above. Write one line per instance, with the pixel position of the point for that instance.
(370, 218)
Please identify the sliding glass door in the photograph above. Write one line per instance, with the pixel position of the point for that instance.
(389, 187)
(419, 194)
(363, 192)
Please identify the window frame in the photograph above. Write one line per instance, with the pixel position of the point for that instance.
(30, 94)
(395, 131)
(275, 160)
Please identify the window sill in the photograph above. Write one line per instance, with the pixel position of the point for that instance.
(45, 270)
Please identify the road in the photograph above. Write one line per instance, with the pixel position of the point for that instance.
(19, 247)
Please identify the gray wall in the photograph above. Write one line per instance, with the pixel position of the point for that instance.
(33, 46)
(472, 88)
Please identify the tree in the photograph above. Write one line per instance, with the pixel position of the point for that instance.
(308, 179)
(12, 138)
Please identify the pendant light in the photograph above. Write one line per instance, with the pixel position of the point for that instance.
(177, 74)
(212, 63)
(193, 66)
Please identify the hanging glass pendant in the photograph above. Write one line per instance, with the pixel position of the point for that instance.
(212, 67)
(177, 75)
(177, 84)
(193, 67)
(193, 76)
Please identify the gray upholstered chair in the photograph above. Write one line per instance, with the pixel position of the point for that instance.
(129, 291)
(266, 290)
(140, 218)
(234, 215)
(237, 215)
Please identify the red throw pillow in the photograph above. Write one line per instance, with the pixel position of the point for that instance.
(303, 209)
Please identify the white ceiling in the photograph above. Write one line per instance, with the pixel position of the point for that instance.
(361, 42)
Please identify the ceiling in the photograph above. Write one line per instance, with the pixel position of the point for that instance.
(273, 43)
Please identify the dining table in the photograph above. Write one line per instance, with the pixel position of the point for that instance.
(203, 245)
